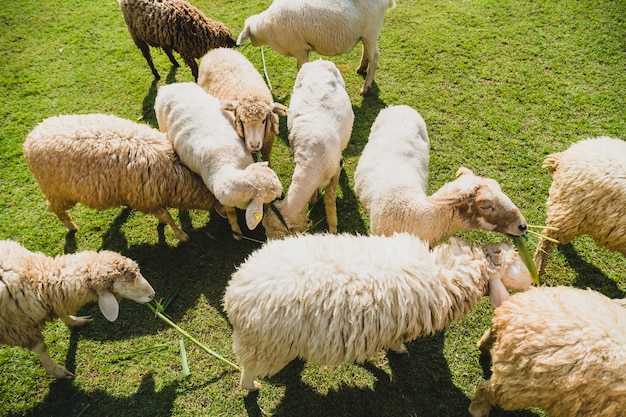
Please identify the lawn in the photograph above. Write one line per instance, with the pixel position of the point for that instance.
(501, 84)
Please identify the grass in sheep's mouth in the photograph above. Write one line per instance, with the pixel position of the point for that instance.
(521, 246)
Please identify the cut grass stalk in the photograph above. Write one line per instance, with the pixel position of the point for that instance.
(157, 312)
(139, 352)
(527, 258)
(543, 236)
(183, 358)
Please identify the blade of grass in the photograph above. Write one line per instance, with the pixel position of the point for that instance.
(543, 236)
(158, 313)
(535, 226)
(527, 258)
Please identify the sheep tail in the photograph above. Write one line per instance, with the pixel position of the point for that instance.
(551, 163)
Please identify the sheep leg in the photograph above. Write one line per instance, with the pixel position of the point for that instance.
(60, 208)
(231, 215)
(168, 52)
(145, 51)
(544, 248)
(58, 371)
(164, 217)
(330, 202)
(191, 63)
(302, 59)
(485, 343)
(247, 380)
(74, 321)
(369, 62)
(483, 400)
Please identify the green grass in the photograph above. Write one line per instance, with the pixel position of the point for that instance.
(501, 84)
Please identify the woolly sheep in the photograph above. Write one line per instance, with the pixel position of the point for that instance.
(174, 25)
(561, 349)
(587, 196)
(391, 179)
(320, 124)
(103, 161)
(341, 298)
(229, 76)
(35, 288)
(328, 27)
(206, 141)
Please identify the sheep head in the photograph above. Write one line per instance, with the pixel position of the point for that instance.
(481, 203)
(505, 270)
(119, 277)
(265, 187)
(274, 227)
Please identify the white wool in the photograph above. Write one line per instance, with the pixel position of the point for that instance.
(341, 298)
(206, 141)
(391, 179)
(587, 196)
(561, 349)
(230, 77)
(35, 289)
(328, 27)
(320, 123)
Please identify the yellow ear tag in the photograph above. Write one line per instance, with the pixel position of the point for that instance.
(458, 174)
(256, 217)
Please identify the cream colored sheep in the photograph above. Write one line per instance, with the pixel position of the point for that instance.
(35, 289)
(206, 141)
(328, 27)
(174, 25)
(391, 179)
(561, 349)
(341, 298)
(320, 124)
(587, 196)
(230, 77)
(103, 161)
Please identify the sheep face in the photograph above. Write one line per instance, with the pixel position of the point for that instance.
(506, 271)
(482, 203)
(274, 227)
(265, 187)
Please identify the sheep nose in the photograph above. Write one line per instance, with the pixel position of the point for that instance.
(522, 228)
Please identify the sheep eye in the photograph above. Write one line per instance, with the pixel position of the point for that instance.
(486, 206)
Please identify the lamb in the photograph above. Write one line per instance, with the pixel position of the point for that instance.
(328, 27)
(35, 289)
(104, 161)
(174, 25)
(206, 141)
(561, 349)
(320, 124)
(391, 180)
(587, 196)
(341, 298)
(229, 76)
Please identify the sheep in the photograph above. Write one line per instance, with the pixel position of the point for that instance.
(205, 139)
(391, 179)
(561, 349)
(104, 161)
(35, 289)
(174, 25)
(320, 124)
(587, 196)
(328, 27)
(341, 298)
(229, 76)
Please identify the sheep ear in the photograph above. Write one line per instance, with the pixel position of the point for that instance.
(497, 292)
(254, 213)
(228, 105)
(244, 35)
(108, 305)
(463, 171)
(279, 109)
(451, 200)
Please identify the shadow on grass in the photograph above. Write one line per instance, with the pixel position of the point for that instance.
(146, 401)
(420, 385)
(588, 275)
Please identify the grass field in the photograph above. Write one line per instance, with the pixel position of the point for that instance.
(501, 84)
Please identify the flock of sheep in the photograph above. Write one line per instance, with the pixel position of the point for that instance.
(331, 297)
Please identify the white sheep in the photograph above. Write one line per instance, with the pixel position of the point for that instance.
(35, 289)
(174, 25)
(103, 161)
(391, 180)
(320, 124)
(341, 298)
(561, 349)
(587, 196)
(230, 77)
(205, 139)
(328, 27)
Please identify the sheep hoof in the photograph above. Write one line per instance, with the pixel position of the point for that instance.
(80, 321)
(400, 350)
(236, 237)
(60, 372)
(255, 387)
(364, 91)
